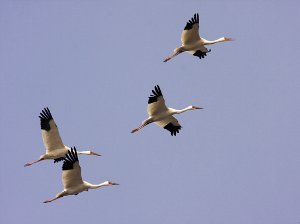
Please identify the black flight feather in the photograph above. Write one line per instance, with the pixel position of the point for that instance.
(45, 117)
(70, 159)
(200, 54)
(58, 159)
(172, 128)
(156, 93)
(190, 23)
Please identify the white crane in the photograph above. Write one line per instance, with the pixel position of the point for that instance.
(192, 42)
(72, 179)
(162, 115)
(55, 149)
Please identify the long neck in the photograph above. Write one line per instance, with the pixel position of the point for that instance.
(92, 186)
(84, 152)
(206, 42)
(180, 111)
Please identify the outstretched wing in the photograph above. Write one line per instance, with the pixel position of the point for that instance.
(191, 31)
(156, 102)
(170, 123)
(50, 132)
(71, 170)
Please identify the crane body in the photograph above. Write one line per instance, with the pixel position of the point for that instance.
(161, 115)
(72, 179)
(55, 149)
(192, 42)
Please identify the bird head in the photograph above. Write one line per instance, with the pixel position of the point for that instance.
(110, 183)
(193, 107)
(92, 153)
(225, 39)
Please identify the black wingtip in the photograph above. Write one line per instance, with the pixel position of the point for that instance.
(200, 54)
(192, 21)
(59, 159)
(156, 93)
(45, 118)
(172, 128)
(71, 158)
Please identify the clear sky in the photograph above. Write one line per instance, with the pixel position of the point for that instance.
(94, 64)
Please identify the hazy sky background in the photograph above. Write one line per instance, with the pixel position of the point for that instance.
(94, 64)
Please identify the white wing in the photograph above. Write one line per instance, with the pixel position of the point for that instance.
(170, 123)
(190, 36)
(201, 48)
(157, 107)
(50, 132)
(191, 31)
(71, 178)
(156, 102)
(167, 120)
(52, 138)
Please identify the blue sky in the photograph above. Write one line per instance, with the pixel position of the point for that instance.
(94, 64)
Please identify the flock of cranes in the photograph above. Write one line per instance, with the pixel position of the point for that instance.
(56, 150)
(158, 112)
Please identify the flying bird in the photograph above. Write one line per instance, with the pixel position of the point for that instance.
(162, 115)
(192, 42)
(72, 179)
(55, 149)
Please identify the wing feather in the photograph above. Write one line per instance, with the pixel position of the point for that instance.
(156, 102)
(157, 107)
(170, 123)
(71, 178)
(200, 53)
(50, 132)
(71, 170)
(191, 31)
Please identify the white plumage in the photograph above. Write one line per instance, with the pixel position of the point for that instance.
(192, 42)
(55, 149)
(72, 179)
(161, 115)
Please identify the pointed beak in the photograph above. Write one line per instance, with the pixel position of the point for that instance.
(92, 153)
(114, 184)
(197, 107)
(232, 39)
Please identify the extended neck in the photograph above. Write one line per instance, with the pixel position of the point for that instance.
(84, 152)
(180, 111)
(206, 42)
(88, 153)
(92, 186)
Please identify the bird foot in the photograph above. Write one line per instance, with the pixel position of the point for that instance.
(167, 59)
(134, 130)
